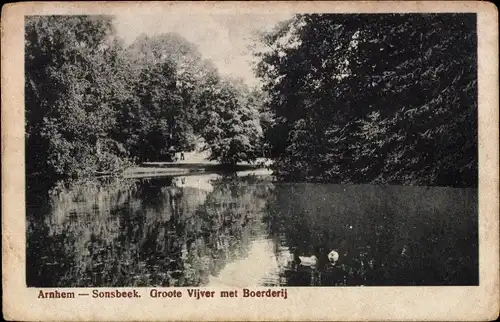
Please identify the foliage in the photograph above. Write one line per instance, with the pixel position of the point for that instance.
(231, 125)
(94, 105)
(160, 116)
(373, 98)
(70, 95)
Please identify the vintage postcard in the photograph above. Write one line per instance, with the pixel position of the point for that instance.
(250, 161)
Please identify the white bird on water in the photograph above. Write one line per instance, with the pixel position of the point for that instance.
(308, 260)
(333, 257)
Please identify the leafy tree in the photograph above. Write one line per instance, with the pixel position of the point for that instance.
(70, 96)
(231, 123)
(373, 98)
(169, 80)
(94, 105)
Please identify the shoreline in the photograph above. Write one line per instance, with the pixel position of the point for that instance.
(154, 169)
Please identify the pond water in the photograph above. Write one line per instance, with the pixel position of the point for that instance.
(212, 230)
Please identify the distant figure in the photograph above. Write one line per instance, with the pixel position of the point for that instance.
(182, 156)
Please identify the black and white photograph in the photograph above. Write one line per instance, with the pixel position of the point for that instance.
(266, 150)
(311, 150)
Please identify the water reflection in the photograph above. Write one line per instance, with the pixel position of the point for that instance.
(388, 235)
(248, 231)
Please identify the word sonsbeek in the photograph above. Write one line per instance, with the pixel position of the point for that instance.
(200, 294)
(115, 294)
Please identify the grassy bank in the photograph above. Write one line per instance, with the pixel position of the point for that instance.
(188, 168)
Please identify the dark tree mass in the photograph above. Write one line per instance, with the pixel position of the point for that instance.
(94, 105)
(373, 98)
(379, 98)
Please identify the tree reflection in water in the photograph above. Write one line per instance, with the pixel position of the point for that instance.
(241, 231)
(153, 232)
(385, 235)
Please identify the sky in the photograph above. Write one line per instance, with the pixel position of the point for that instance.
(223, 38)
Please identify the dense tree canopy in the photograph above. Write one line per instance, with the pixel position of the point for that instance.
(389, 98)
(165, 75)
(94, 104)
(231, 128)
(386, 98)
(70, 95)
